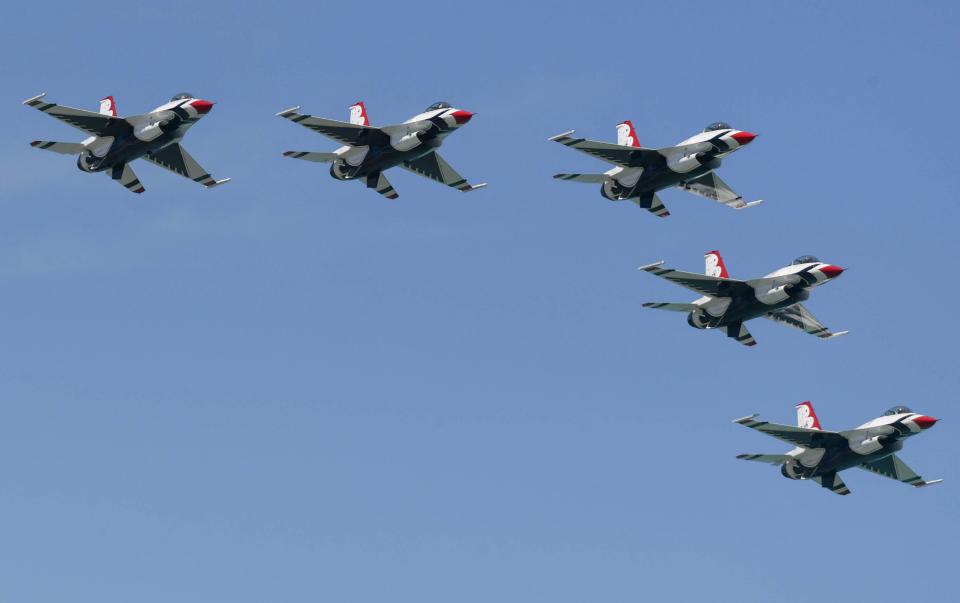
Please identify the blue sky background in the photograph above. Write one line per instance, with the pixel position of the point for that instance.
(291, 389)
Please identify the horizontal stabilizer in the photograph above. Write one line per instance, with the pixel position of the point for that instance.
(773, 459)
(308, 156)
(64, 148)
(589, 178)
(671, 307)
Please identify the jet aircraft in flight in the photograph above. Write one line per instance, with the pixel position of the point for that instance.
(728, 302)
(115, 142)
(369, 151)
(642, 172)
(820, 455)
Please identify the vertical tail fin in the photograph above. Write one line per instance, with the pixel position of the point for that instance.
(627, 135)
(358, 114)
(108, 106)
(806, 417)
(714, 264)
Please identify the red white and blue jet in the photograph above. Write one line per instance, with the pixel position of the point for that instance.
(640, 172)
(114, 142)
(819, 455)
(369, 151)
(727, 303)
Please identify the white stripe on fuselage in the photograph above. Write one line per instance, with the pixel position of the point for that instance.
(354, 156)
(716, 306)
(700, 142)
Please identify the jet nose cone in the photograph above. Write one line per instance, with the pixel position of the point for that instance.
(924, 422)
(202, 106)
(743, 138)
(831, 271)
(462, 116)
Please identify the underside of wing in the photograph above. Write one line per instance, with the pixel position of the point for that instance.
(798, 436)
(714, 286)
(86, 121)
(355, 135)
(621, 155)
(894, 468)
(798, 317)
(176, 159)
(710, 186)
(434, 167)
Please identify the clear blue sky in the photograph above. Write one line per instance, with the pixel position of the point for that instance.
(291, 389)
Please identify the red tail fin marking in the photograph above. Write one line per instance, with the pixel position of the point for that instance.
(714, 264)
(806, 417)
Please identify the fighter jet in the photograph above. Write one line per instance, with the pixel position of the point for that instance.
(370, 151)
(115, 141)
(641, 172)
(728, 302)
(819, 455)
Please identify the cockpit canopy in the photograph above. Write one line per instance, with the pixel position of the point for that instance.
(897, 410)
(805, 259)
(717, 125)
(438, 106)
(182, 96)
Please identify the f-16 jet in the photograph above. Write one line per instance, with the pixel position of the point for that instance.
(368, 151)
(640, 172)
(115, 142)
(728, 303)
(820, 455)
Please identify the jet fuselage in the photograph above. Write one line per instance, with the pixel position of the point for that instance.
(746, 303)
(141, 135)
(416, 137)
(380, 157)
(868, 443)
(699, 155)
